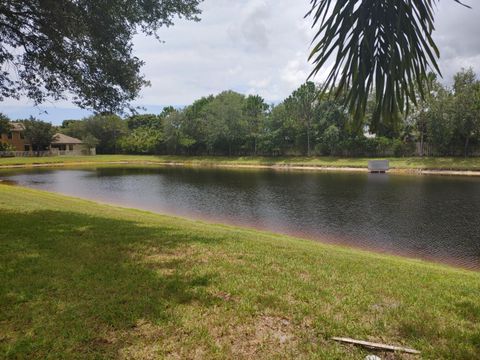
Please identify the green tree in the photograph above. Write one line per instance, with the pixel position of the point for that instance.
(4, 124)
(255, 110)
(142, 140)
(197, 109)
(66, 123)
(381, 45)
(280, 132)
(145, 134)
(302, 106)
(107, 129)
(39, 133)
(175, 137)
(441, 125)
(4, 129)
(226, 127)
(90, 141)
(467, 109)
(74, 128)
(144, 120)
(80, 47)
(449, 118)
(433, 120)
(167, 110)
(195, 124)
(331, 139)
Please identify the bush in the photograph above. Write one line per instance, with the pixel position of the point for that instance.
(6, 147)
(383, 146)
(330, 140)
(401, 148)
(357, 146)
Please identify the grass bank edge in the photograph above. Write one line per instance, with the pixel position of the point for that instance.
(407, 164)
(260, 235)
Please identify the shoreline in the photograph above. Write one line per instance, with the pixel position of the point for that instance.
(234, 226)
(213, 221)
(277, 167)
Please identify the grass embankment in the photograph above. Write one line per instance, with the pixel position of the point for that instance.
(454, 164)
(83, 280)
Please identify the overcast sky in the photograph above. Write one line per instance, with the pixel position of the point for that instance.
(252, 46)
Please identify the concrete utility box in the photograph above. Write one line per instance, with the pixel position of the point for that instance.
(378, 166)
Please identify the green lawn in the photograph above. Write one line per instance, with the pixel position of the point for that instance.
(89, 281)
(397, 163)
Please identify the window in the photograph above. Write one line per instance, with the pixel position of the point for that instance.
(27, 147)
(22, 135)
(10, 135)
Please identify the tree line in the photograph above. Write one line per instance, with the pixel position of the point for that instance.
(446, 122)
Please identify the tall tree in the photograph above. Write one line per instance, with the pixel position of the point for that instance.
(430, 116)
(381, 45)
(79, 47)
(226, 127)
(175, 137)
(467, 110)
(107, 129)
(144, 120)
(255, 110)
(302, 106)
(195, 124)
(280, 131)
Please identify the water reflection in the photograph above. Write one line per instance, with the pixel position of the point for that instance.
(426, 217)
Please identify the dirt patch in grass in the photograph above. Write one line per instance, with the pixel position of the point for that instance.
(225, 296)
(146, 342)
(263, 336)
(142, 342)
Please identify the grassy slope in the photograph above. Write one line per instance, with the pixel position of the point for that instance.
(82, 280)
(399, 163)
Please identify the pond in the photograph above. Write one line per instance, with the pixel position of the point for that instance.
(428, 217)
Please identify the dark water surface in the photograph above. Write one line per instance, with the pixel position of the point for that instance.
(428, 217)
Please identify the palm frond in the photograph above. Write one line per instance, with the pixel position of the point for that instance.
(380, 46)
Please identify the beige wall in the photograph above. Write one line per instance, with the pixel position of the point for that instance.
(74, 149)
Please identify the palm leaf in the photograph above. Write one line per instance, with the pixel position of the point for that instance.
(385, 46)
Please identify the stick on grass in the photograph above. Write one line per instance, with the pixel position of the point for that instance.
(378, 346)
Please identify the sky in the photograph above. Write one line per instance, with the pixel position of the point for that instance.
(250, 46)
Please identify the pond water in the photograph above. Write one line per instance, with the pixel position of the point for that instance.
(427, 217)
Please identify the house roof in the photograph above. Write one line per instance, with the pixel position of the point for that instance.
(17, 126)
(64, 139)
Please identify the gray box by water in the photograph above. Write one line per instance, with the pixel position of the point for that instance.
(378, 166)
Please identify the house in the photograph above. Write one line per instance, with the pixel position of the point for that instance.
(67, 145)
(16, 137)
(61, 144)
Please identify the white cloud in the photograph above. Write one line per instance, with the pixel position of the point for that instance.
(457, 36)
(294, 73)
(251, 31)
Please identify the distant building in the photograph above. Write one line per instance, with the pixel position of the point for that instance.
(61, 144)
(67, 145)
(16, 137)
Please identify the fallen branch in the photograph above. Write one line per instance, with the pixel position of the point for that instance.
(378, 346)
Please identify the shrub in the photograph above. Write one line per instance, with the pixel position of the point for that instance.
(6, 147)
